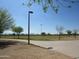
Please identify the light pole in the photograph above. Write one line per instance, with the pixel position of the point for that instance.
(29, 12)
(41, 27)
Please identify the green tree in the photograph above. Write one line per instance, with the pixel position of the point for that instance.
(17, 30)
(49, 34)
(54, 4)
(69, 32)
(6, 21)
(43, 33)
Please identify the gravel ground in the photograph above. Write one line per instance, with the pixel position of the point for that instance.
(28, 52)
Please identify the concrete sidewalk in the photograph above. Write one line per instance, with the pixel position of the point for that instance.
(70, 48)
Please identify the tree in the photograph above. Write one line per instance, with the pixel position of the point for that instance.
(75, 32)
(69, 32)
(17, 30)
(49, 34)
(6, 21)
(43, 33)
(59, 30)
(54, 4)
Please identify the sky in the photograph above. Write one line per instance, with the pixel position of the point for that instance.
(66, 17)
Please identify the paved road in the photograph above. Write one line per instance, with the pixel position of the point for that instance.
(70, 48)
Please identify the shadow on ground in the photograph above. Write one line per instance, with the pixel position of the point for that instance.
(5, 44)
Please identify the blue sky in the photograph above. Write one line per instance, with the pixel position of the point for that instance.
(66, 17)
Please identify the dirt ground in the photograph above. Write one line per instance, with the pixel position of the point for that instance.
(29, 52)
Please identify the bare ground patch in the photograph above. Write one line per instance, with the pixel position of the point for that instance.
(29, 52)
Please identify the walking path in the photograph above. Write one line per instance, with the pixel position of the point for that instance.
(70, 48)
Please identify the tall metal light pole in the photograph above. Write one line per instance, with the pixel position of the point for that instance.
(29, 12)
(41, 27)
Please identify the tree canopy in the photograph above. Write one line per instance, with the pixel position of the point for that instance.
(17, 29)
(69, 32)
(54, 4)
(60, 29)
(6, 21)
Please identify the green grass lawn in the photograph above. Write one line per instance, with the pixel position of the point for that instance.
(43, 38)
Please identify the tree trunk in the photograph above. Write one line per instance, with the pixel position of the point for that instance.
(18, 35)
(75, 36)
(59, 36)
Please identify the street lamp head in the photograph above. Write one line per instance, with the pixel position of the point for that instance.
(31, 12)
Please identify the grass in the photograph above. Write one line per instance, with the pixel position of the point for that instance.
(43, 38)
